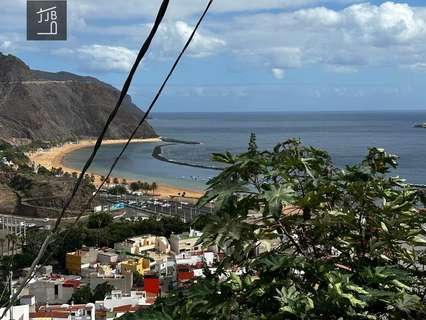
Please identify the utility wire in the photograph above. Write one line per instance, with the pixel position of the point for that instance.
(112, 115)
(26, 281)
(160, 15)
(87, 205)
(160, 90)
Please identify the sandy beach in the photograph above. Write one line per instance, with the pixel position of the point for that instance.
(54, 158)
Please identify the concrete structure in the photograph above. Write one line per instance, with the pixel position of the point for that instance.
(134, 265)
(55, 289)
(18, 313)
(159, 261)
(197, 259)
(185, 242)
(142, 244)
(107, 257)
(123, 282)
(28, 300)
(65, 311)
(119, 299)
(12, 231)
(75, 261)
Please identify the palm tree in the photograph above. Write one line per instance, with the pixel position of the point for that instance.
(140, 184)
(154, 187)
(145, 186)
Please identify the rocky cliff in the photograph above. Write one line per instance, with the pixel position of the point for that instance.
(38, 105)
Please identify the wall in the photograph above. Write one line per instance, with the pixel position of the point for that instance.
(19, 313)
(120, 283)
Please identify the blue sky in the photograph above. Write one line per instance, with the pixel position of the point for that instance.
(249, 55)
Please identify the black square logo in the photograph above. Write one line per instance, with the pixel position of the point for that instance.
(46, 20)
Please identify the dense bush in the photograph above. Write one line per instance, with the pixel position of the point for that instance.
(349, 243)
(117, 190)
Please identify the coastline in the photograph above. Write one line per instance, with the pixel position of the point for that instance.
(157, 153)
(54, 158)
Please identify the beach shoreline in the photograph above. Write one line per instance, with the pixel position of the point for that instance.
(54, 158)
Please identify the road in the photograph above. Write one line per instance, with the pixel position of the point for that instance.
(135, 207)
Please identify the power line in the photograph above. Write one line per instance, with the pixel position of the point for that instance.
(112, 115)
(124, 90)
(87, 205)
(160, 90)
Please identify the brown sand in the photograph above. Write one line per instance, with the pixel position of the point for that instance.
(54, 158)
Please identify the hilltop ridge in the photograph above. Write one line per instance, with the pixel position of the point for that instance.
(40, 105)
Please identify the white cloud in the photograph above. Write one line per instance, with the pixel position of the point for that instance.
(390, 34)
(265, 34)
(5, 45)
(108, 58)
(386, 24)
(319, 16)
(202, 45)
(278, 73)
(173, 35)
(419, 66)
(117, 9)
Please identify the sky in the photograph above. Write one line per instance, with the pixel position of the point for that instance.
(249, 55)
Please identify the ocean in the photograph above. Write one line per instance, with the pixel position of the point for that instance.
(345, 135)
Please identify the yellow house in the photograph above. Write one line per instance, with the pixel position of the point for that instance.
(75, 261)
(140, 265)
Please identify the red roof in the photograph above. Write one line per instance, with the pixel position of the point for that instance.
(59, 308)
(49, 314)
(126, 308)
(71, 283)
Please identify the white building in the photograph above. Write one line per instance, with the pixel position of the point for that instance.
(142, 244)
(65, 311)
(195, 259)
(52, 289)
(18, 313)
(119, 299)
(185, 242)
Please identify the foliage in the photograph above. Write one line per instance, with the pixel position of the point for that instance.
(117, 190)
(21, 183)
(101, 291)
(82, 234)
(137, 279)
(347, 243)
(57, 172)
(99, 220)
(134, 186)
(84, 295)
(13, 153)
(145, 186)
(43, 171)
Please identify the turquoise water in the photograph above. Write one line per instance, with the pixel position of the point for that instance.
(346, 135)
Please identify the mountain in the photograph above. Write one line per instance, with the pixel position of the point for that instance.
(39, 105)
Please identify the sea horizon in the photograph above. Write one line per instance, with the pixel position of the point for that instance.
(346, 135)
